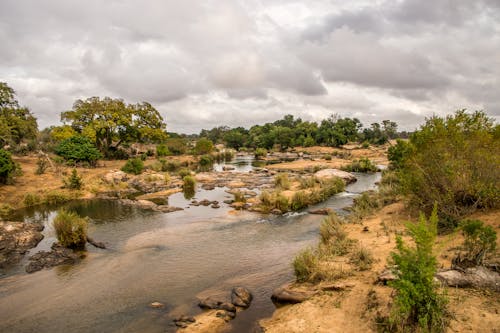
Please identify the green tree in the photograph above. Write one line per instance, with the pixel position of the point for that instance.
(235, 138)
(110, 122)
(417, 302)
(7, 167)
(203, 146)
(16, 123)
(78, 149)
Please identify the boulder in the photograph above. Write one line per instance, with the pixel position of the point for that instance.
(209, 303)
(115, 177)
(16, 238)
(330, 173)
(241, 297)
(286, 295)
(183, 321)
(386, 276)
(227, 168)
(156, 305)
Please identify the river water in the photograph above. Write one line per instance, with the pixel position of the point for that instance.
(171, 258)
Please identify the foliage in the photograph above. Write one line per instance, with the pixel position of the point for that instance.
(41, 165)
(361, 165)
(73, 182)
(206, 160)
(333, 236)
(282, 203)
(177, 146)
(480, 240)
(260, 152)
(134, 166)
(281, 181)
(184, 172)
(17, 124)
(203, 146)
(363, 258)
(399, 153)
(189, 183)
(239, 197)
(78, 149)
(299, 200)
(31, 199)
(71, 229)
(417, 302)
(162, 150)
(7, 167)
(455, 162)
(235, 138)
(110, 122)
(305, 265)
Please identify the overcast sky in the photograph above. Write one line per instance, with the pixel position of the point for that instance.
(238, 63)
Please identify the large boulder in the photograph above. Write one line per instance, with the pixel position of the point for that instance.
(330, 173)
(241, 297)
(475, 277)
(115, 177)
(286, 295)
(16, 238)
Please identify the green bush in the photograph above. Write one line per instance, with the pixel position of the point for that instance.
(282, 181)
(189, 183)
(133, 166)
(299, 200)
(282, 203)
(71, 229)
(260, 152)
(162, 150)
(184, 172)
(417, 302)
(206, 160)
(203, 146)
(328, 157)
(73, 182)
(453, 162)
(7, 167)
(177, 146)
(334, 237)
(41, 165)
(399, 153)
(31, 199)
(305, 265)
(361, 165)
(78, 149)
(480, 240)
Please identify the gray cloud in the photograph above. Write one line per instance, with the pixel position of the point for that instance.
(234, 62)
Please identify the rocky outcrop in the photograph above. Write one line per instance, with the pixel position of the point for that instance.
(183, 321)
(286, 295)
(386, 276)
(16, 238)
(330, 173)
(149, 205)
(58, 255)
(241, 297)
(321, 211)
(474, 277)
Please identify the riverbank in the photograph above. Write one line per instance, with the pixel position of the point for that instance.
(366, 302)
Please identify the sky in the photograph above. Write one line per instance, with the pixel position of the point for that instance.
(238, 63)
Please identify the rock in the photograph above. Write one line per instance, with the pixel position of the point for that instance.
(57, 256)
(286, 295)
(386, 276)
(241, 297)
(365, 229)
(16, 238)
(228, 201)
(115, 177)
(228, 168)
(156, 305)
(276, 211)
(205, 202)
(238, 205)
(183, 321)
(99, 245)
(215, 206)
(330, 173)
(228, 307)
(337, 286)
(167, 209)
(209, 303)
(208, 187)
(476, 277)
(321, 211)
(226, 315)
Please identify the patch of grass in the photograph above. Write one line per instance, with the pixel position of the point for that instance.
(282, 203)
(31, 199)
(281, 181)
(5, 210)
(55, 197)
(361, 165)
(307, 182)
(260, 152)
(71, 229)
(239, 197)
(306, 265)
(134, 166)
(299, 200)
(334, 240)
(362, 258)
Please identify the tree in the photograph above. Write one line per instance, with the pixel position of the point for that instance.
(203, 146)
(16, 123)
(7, 167)
(235, 138)
(110, 122)
(77, 149)
(336, 131)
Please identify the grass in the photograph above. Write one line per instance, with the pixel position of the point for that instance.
(239, 197)
(362, 258)
(306, 265)
(361, 165)
(281, 181)
(71, 229)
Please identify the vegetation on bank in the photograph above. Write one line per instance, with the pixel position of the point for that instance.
(71, 229)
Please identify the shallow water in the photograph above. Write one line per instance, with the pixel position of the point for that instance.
(171, 258)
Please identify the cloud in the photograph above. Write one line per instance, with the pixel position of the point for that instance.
(236, 62)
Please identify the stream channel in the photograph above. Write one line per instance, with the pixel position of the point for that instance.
(171, 258)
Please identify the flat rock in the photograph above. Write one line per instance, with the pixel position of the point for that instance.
(330, 173)
(286, 295)
(475, 277)
(57, 256)
(16, 238)
(386, 276)
(156, 305)
(321, 211)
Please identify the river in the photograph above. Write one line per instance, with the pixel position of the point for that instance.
(170, 258)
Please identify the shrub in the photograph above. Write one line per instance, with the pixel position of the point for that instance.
(184, 172)
(239, 197)
(307, 182)
(7, 167)
(417, 303)
(282, 203)
(203, 146)
(399, 153)
(364, 205)
(362, 258)
(328, 157)
(299, 200)
(206, 160)
(31, 199)
(73, 182)
(133, 166)
(480, 240)
(41, 165)
(162, 150)
(361, 165)
(188, 182)
(454, 162)
(305, 265)
(282, 181)
(71, 229)
(77, 149)
(334, 237)
(169, 166)
(365, 145)
(56, 197)
(177, 146)
(260, 152)
(5, 210)
(331, 187)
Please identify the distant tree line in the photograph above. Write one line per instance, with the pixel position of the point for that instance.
(290, 132)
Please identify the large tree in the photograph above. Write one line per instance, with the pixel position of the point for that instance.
(16, 122)
(110, 122)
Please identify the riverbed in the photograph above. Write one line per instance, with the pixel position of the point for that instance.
(171, 258)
